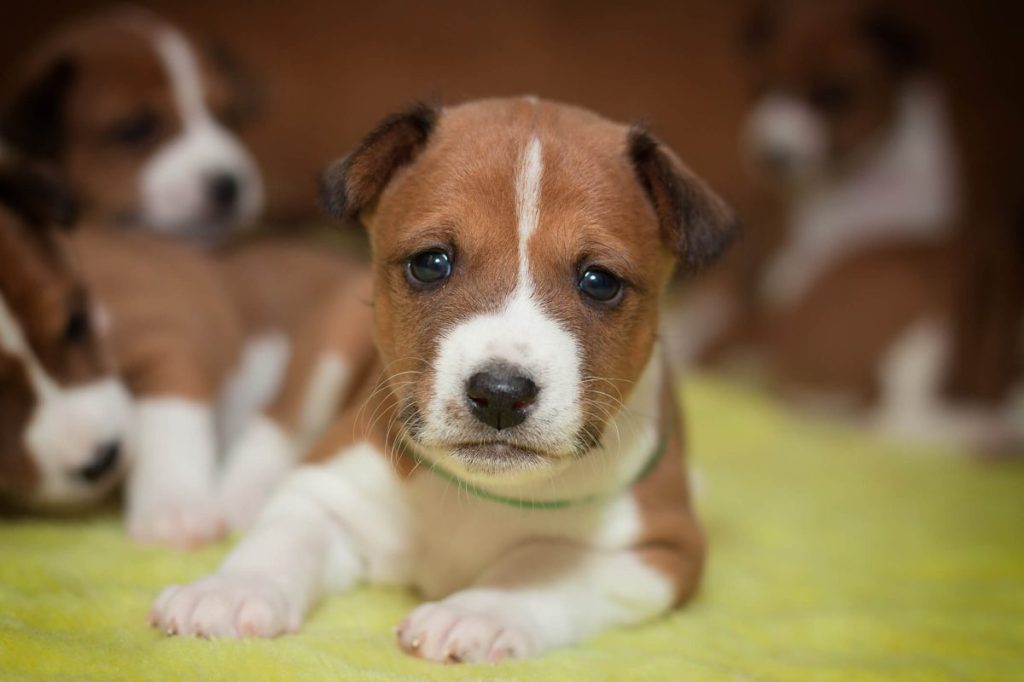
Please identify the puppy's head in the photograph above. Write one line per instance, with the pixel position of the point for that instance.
(827, 78)
(63, 416)
(520, 251)
(140, 122)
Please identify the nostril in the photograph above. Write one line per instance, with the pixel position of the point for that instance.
(104, 461)
(223, 190)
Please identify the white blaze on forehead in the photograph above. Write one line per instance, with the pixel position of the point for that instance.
(13, 342)
(522, 334)
(183, 70)
(531, 170)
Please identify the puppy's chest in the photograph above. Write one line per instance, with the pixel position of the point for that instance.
(456, 535)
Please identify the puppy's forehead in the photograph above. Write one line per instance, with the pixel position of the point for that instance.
(470, 174)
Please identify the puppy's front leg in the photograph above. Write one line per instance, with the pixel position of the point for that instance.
(312, 536)
(171, 497)
(538, 597)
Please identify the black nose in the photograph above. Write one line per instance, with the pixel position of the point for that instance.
(102, 463)
(776, 160)
(223, 190)
(500, 396)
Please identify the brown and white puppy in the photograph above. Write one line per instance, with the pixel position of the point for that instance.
(64, 415)
(516, 454)
(139, 120)
(851, 126)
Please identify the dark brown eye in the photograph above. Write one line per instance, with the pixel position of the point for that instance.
(77, 327)
(600, 285)
(832, 96)
(136, 131)
(429, 267)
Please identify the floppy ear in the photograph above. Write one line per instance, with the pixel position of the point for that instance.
(32, 123)
(901, 45)
(38, 199)
(353, 183)
(694, 222)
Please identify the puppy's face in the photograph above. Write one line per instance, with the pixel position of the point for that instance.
(519, 265)
(139, 120)
(63, 416)
(827, 79)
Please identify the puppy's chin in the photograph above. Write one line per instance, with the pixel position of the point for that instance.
(502, 459)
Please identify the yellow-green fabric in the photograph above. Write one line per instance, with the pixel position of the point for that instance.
(833, 557)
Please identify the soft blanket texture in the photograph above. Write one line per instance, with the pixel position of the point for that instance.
(833, 557)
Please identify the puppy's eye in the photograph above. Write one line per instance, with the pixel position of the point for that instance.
(429, 267)
(600, 285)
(135, 131)
(77, 327)
(832, 96)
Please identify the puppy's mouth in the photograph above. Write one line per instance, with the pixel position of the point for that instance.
(496, 458)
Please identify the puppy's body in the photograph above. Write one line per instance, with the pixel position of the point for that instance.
(516, 456)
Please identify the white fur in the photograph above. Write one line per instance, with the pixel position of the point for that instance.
(171, 497)
(255, 465)
(69, 425)
(174, 182)
(320, 402)
(786, 126)
(259, 375)
(521, 334)
(903, 187)
(912, 406)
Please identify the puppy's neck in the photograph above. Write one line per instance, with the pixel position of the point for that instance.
(904, 186)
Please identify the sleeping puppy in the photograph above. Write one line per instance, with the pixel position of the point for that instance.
(64, 414)
(515, 454)
(140, 122)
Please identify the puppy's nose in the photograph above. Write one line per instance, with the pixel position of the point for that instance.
(103, 462)
(776, 160)
(223, 190)
(500, 396)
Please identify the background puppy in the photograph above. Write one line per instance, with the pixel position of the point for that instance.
(140, 121)
(64, 415)
(520, 252)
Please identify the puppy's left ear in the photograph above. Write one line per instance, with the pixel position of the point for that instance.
(695, 223)
(353, 183)
(32, 123)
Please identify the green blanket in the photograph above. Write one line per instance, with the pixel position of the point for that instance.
(833, 557)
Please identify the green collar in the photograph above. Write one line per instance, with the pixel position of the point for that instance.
(520, 503)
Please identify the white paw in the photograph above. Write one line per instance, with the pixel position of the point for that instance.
(256, 465)
(224, 605)
(183, 522)
(446, 633)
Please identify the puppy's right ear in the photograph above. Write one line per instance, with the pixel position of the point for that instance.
(32, 123)
(39, 199)
(353, 183)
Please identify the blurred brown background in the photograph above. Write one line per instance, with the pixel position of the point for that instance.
(327, 70)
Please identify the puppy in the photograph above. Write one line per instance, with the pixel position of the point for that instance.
(64, 413)
(516, 453)
(140, 122)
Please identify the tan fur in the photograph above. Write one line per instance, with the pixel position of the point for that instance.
(174, 329)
